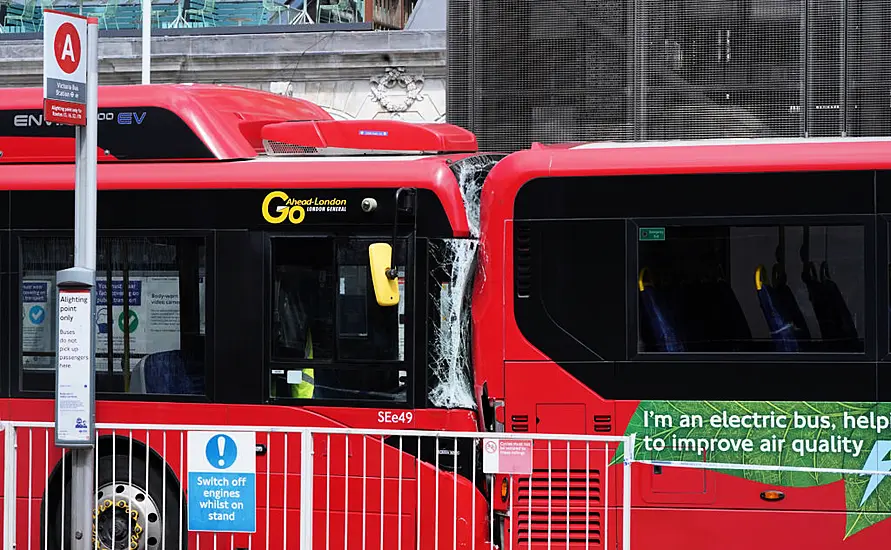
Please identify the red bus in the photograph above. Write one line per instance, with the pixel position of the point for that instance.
(726, 302)
(722, 301)
(234, 232)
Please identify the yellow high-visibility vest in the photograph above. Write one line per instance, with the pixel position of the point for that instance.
(304, 389)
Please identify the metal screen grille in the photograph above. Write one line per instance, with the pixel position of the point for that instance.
(582, 70)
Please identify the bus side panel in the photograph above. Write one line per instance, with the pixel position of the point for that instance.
(684, 529)
(450, 514)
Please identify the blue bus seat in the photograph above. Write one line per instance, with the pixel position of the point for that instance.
(656, 323)
(785, 320)
(168, 373)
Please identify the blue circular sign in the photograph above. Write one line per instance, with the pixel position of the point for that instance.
(221, 451)
(37, 315)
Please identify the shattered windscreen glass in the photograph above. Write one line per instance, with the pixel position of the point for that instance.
(456, 261)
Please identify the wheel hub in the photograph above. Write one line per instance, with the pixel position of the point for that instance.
(126, 518)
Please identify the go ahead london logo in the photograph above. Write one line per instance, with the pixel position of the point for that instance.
(840, 436)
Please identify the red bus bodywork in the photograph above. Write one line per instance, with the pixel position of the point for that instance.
(521, 386)
(229, 122)
(531, 392)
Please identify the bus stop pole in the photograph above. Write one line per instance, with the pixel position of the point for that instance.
(85, 194)
(146, 41)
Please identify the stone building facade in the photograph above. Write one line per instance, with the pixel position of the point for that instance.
(362, 74)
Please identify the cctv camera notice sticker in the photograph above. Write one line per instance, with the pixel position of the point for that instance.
(507, 456)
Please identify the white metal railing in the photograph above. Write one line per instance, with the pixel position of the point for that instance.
(363, 492)
(366, 490)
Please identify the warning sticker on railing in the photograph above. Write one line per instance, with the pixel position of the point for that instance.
(222, 482)
(507, 456)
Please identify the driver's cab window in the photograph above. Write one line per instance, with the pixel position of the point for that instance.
(329, 337)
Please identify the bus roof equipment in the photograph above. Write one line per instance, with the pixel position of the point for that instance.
(183, 122)
(365, 137)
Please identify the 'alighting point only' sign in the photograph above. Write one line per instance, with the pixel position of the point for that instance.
(64, 68)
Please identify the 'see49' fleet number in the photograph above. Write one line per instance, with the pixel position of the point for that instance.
(392, 417)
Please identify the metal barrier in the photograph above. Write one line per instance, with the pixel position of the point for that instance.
(367, 490)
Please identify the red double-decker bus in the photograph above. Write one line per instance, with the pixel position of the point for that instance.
(234, 232)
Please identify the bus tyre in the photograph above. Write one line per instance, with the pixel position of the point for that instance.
(127, 511)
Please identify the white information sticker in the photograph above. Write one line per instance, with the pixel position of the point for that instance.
(74, 372)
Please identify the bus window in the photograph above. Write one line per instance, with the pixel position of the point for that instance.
(303, 299)
(330, 338)
(366, 330)
(765, 289)
(149, 339)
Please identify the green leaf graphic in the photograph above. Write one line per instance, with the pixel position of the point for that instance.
(814, 435)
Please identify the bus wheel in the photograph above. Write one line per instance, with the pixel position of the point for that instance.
(126, 517)
(128, 511)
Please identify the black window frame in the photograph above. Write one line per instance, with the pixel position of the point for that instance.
(883, 297)
(14, 312)
(883, 286)
(409, 364)
(615, 370)
(870, 340)
(10, 360)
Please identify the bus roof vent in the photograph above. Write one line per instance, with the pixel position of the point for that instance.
(278, 148)
(365, 137)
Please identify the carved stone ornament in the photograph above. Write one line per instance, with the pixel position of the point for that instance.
(395, 79)
(282, 88)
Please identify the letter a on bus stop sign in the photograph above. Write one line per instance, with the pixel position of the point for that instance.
(64, 68)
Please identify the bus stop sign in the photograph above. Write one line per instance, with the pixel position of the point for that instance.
(64, 68)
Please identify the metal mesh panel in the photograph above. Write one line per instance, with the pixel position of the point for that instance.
(572, 70)
(459, 56)
(868, 67)
(717, 68)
